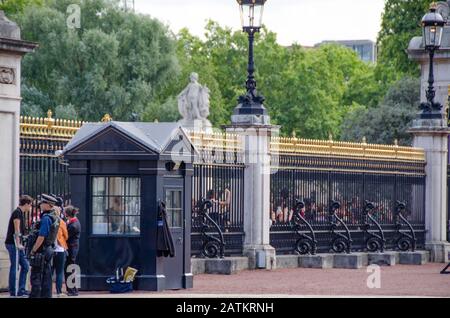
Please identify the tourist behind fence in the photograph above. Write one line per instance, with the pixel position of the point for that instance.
(225, 207)
(214, 211)
(116, 214)
(43, 249)
(73, 243)
(59, 259)
(15, 248)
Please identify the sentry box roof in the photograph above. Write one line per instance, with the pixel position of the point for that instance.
(131, 139)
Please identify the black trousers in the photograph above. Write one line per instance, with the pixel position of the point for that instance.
(41, 281)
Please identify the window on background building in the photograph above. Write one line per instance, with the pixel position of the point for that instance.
(116, 206)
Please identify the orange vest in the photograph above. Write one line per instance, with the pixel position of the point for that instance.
(63, 235)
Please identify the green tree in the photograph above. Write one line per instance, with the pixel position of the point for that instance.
(400, 23)
(32, 101)
(116, 63)
(11, 7)
(306, 91)
(388, 121)
(165, 112)
(318, 85)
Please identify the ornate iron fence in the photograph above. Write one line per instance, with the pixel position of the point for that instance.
(350, 174)
(312, 171)
(41, 171)
(219, 178)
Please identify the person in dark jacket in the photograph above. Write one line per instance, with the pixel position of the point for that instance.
(73, 243)
(44, 248)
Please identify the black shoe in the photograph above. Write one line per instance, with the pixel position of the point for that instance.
(72, 294)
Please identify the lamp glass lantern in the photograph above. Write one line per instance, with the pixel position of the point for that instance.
(433, 26)
(251, 13)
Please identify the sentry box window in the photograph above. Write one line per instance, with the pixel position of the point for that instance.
(116, 206)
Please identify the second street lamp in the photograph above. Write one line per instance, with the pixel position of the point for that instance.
(433, 24)
(251, 18)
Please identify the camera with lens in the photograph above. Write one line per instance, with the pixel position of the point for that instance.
(335, 205)
(300, 204)
(369, 206)
(401, 206)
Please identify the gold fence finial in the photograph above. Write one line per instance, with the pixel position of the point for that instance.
(294, 135)
(396, 142)
(433, 5)
(49, 121)
(364, 140)
(330, 136)
(106, 118)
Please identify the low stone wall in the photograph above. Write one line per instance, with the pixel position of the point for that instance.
(4, 268)
(225, 266)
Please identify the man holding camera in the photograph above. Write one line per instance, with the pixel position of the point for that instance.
(43, 249)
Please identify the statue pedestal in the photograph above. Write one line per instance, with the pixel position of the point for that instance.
(197, 125)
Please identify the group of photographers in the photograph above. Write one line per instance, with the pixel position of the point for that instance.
(51, 246)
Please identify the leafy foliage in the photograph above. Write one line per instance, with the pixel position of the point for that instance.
(388, 121)
(132, 67)
(308, 92)
(400, 23)
(11, 7)
(116, 63)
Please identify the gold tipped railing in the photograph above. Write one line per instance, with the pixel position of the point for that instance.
(62, 129)
(216, 141)
(48, 127)
(331, 148)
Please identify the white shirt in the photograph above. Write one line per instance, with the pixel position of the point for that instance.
(59, 248)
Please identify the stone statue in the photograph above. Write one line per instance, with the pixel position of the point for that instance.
(444, 9)
(193, 105)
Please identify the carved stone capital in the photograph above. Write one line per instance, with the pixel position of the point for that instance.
(7, 75)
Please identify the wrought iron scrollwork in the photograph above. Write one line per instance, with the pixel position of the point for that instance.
(404, 241)
(305, 244)
(213, 245)
(340, 242)
(375, 241)
(445, 270)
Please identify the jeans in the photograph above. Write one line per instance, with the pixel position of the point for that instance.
(24, 268)
(59, 260)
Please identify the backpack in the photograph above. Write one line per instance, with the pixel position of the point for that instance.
(54, 228)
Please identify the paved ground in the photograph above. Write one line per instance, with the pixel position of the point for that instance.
(396, 281)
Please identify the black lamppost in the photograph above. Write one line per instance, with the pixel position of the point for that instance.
(251, 19)
(433, 25)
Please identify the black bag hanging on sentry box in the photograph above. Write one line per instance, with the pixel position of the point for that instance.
(164, 240)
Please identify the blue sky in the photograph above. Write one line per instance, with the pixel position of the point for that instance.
(303, 21)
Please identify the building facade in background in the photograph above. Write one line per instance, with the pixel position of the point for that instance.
(366, 49)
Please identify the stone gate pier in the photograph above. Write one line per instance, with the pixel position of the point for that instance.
(432, 135)
(12, 49)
